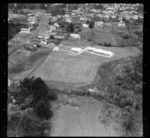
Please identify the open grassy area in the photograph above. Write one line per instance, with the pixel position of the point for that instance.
(28, 63)
(112, 36)
(84, 116)
(59, 69)
(98, 36)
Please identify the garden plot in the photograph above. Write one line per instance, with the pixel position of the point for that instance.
(23, 52)
(18, 55)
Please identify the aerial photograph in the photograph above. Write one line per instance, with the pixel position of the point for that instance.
(75, 69)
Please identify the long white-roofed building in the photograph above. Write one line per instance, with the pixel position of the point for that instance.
(100, 52)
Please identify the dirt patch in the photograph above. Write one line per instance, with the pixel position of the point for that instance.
(81, 116)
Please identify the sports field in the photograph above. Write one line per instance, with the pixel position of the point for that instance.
(66, 69)
(63, 68)
(60, 66)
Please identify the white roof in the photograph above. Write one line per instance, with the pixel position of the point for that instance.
(85, 25)
(55, 48)
(76, 49)
(74, 35)
(56, 24)
(25, 29)
(99, 50)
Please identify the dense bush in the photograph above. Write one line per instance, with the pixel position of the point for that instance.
(91, 24)
(31, 91)
(87, 22)
(107, 44)
(28, 126)
(52, 94)
(127, 85)
(126, 36)
(42, 110)
(13, 120)
(13, 28)
(9, 99)
(70, 28)
(139, 34)
(17, 68)
(51, 37)
(34, 93)
(126, 91)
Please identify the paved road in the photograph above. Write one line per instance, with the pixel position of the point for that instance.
(42, 25)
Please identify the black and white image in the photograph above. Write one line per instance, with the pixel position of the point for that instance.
(75, 69)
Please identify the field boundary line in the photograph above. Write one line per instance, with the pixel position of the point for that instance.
(38, 65)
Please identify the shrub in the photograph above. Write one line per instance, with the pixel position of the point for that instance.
(87, 22)
(139, 34)
(17, 68)
(137, 106)
(91, 24)
(37, 88)
(70, 28)
(51, 37)
(38, 95)
(14, 120)
(9, 99)
(126, 36)
(52, 94)
(107, 44)
(28, 126)
(42, 110)
(128, 123)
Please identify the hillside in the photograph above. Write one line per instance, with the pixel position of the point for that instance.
(120, 83)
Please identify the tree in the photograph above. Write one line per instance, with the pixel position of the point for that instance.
(11, 5)
(129, 122)
(87, 22)
(100, 7)
(140, 8)
(129, 31)
(42, 110)
(52, 94)
(91, 26)
(51, 37)
(73, 6)
(70, 28)
(13, 119)
(28, 126)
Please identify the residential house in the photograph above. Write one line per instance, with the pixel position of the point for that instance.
(25, 30)
(85, 26)
(75, 36)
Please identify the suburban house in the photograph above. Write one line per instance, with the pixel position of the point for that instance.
(25, 30)
(75, 36)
